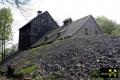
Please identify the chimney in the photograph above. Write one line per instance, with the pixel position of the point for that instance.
(67, 21)
(39, 12)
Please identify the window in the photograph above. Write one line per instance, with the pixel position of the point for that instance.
(42, 20)
(96, 32)
(37, 21)
(86, 31)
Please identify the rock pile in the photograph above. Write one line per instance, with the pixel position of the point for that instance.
(78, 58)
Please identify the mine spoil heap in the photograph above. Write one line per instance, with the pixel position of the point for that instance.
(78, 57)
(73, 58)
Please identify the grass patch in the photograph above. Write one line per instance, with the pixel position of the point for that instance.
(33, 50)
(29, 69)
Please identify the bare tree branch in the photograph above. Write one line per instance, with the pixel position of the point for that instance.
(18, 3)
(10, 2)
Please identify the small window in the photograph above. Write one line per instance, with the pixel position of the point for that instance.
(86, 31)
(96, 32)
(42, 20)
(37, 21)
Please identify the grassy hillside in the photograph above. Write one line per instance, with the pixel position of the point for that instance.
(69, 59)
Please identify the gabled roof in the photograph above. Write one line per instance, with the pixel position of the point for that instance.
(33, 19)
(67, 30)
(70, 28)
(74, 26)
(46, 12)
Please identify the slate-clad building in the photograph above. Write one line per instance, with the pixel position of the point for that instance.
(35, 29)
(84, 27)
(43, 29)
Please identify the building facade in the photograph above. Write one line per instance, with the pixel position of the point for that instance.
(35, 29)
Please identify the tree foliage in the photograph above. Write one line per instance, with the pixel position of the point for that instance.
(6, 21)
(11, 50)
(22, 5)
(117, 30)
(107, 26)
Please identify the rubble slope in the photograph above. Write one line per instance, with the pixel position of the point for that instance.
(71, 57)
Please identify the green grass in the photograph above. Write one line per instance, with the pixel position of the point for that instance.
(29, 70)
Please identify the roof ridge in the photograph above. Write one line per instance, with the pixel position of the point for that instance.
(32, 19)
(83, 18)
(87, 17)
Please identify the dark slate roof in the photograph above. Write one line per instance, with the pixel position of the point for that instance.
(46, 12)
(74, 26)
(33, 19)
(70, 28)
(66, 31)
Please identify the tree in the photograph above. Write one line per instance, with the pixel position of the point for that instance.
(117, 30)
(6, 21)
(107, 26)
(5, 28)
(11, 50)
(14, 48)
(22, 5)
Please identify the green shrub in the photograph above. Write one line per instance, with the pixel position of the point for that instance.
(29, 70)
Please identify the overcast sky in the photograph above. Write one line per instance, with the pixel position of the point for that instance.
(62, 9)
